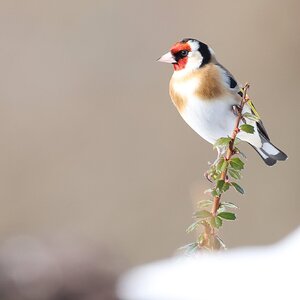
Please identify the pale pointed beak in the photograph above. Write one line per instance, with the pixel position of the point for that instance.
(167, 58)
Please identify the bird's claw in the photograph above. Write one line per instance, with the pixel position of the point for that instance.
(236, 109)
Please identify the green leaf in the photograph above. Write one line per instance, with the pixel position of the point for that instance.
(205, 203)
(224, 165)
(227, 215)
(221, 187)
(234, 173)
(214, 193)
(228, 204)
(237, 187)
(220, 164)
(222, 142)
(218, 222)
(247, 128)
(236, 163)
(212, 222)
(193, 226)
(220, 184)
(225, 187)
(251, 117)
(202, 214)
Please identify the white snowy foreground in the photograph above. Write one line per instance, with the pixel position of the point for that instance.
(271, 272)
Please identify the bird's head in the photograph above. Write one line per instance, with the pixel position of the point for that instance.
(188, 54)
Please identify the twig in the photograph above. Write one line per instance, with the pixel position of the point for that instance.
(223, 172)
(230, 151)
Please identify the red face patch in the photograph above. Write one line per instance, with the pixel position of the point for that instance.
(181, 61)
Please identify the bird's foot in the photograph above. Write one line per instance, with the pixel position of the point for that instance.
(236, 109)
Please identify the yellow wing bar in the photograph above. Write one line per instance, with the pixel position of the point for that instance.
(251, 105)
(253, 108)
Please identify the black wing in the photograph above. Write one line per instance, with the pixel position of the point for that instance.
(233, 85)
(260, 126)
(231, 82)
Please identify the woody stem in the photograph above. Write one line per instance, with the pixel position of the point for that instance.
(230, 150)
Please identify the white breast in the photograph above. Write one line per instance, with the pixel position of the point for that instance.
(211, 119)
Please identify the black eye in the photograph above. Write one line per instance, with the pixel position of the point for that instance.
(184, 53)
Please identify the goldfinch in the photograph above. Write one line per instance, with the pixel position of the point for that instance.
(206, 95)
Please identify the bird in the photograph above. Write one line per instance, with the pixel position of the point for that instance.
(207, 95)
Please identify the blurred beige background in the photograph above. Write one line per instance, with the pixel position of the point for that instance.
(91, 144)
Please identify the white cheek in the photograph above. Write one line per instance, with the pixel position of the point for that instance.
(194, 61)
